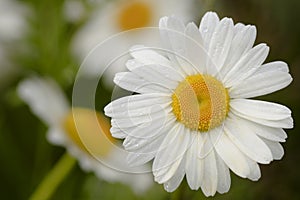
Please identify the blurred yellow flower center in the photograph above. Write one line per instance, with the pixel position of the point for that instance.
(134, 14)
(89, 130)
(200, 102)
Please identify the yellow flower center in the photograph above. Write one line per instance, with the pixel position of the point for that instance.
(89, 130)
(200, 102)
(134, 14)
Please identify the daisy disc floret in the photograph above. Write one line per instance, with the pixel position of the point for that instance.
(191, 111)
(200, 102)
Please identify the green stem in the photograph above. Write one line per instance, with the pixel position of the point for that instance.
(54, 178)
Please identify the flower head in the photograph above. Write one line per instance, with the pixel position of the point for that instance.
(12, 28)
(83, 132)
(192, 114)
(120, 16)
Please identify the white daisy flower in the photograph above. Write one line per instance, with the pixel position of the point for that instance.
(83, 132)
(118, 16)
(192, 115)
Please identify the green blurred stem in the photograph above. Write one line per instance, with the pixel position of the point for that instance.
(54, 178)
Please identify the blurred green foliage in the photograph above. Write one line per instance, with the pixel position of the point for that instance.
(26, 156)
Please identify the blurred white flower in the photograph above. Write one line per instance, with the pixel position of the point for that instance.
(12, 22)
(83, 132)
(192, 114)
(12, 28)
(73, 10)
(123, 15)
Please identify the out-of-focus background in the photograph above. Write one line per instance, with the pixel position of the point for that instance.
(51, 38)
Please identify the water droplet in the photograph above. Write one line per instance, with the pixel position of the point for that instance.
(205, 30)
(167, 186)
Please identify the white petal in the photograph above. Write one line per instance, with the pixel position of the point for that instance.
(175, 181)
(176, 24)
(219, 46)
(163, 24)
(144, 133)
(172, 35)
(254, 174)
(242, 42)
(140, 137)
(261, 84)
(276, 149)
(210, 171)
(238, 27)
(147, 56)
(142, 120)
(273, 66)
(45, 99)
(283, 123)
(235, 159)
(207, 26)
(146, 151)
(196, 51)
(166, 173)
(159, 75)
(247, 141)
(273, 134)
(137, 159)
(136, 105)
(170, 153)
(247, 65)
(260, 109)
(194, 164)
(224, 180)
(133, 63)
(231, 155)
(119, 133)
(166, 72)
(56, 135)
(131, 82)
(149, 145)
